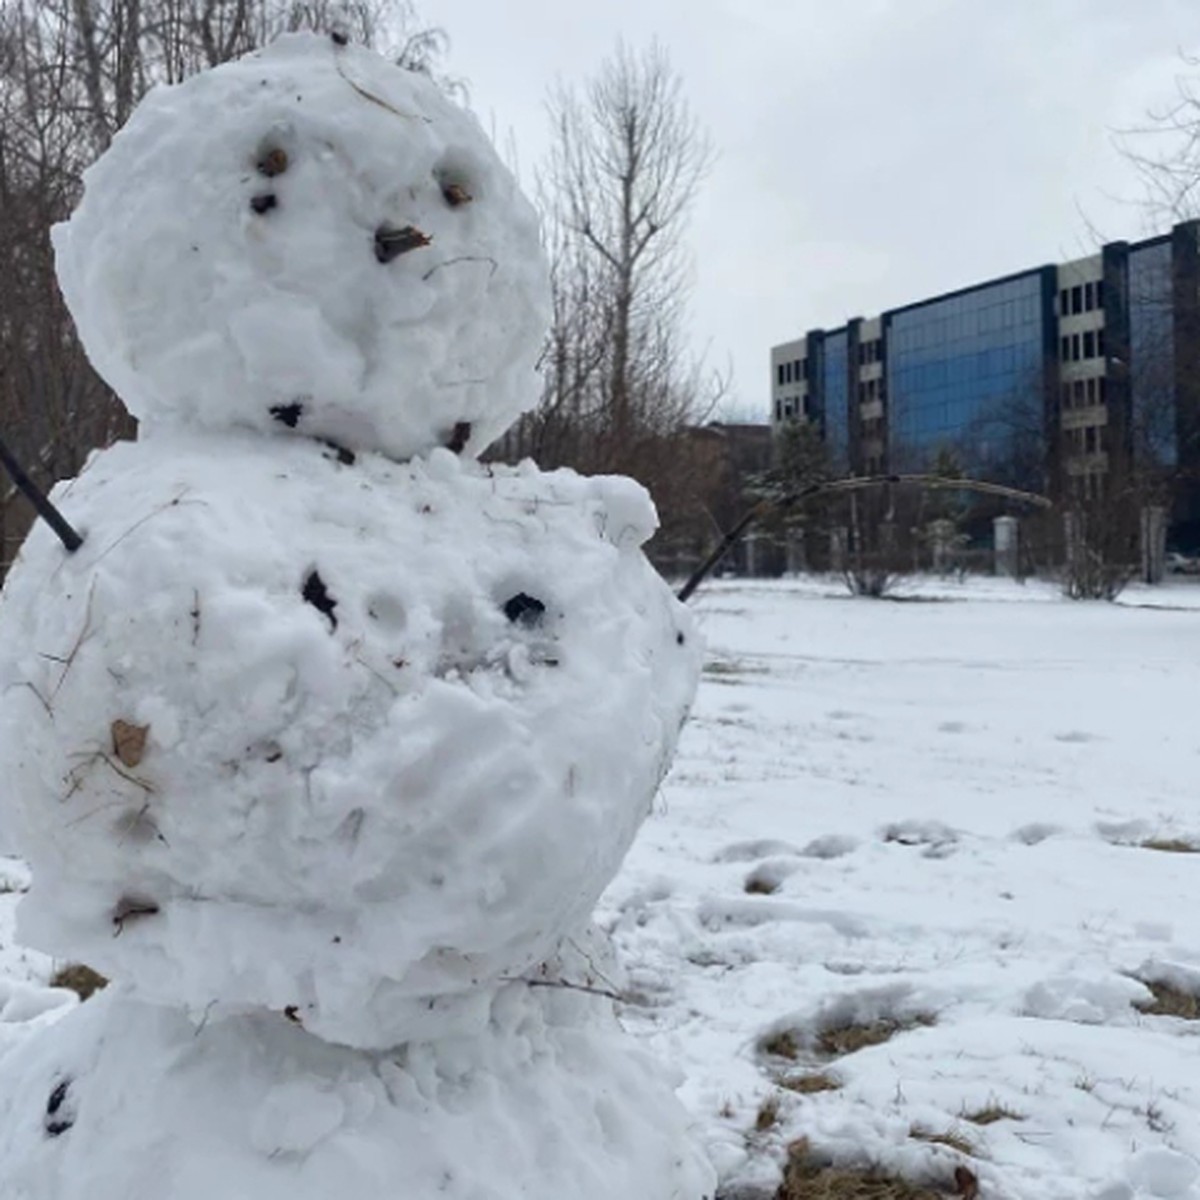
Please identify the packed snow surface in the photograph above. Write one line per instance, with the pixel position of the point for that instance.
(312, 240)
(354, 742)
(959, 823)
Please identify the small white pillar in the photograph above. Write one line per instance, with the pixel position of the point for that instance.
(1006, 538)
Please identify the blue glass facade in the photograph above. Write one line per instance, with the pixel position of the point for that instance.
(958, 368)
(835, 392)
(1152, 353)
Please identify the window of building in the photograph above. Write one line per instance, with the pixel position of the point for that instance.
(1089, 344)
(1090, 388)
(1089, 440)
(1064, 356)
(1077, 393)
(779, 410)
(1064, 302)
(1077, 299)
(779, 379)
(1089, 297)
(1075, 346)
(1100, 343)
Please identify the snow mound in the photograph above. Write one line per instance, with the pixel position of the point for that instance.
(355, 742)
(552, 1100)
(313, 240)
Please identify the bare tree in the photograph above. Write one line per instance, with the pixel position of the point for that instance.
(1164, 149)
(71, 73)
(627, 159)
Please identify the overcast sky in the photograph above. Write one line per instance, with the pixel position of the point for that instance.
(870, 152)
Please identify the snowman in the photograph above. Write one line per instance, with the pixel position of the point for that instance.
(326, 741)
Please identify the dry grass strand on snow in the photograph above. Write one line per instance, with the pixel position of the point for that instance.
(950, 1139)
(990, 1113)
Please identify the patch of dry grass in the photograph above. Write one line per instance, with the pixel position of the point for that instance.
(840, 1040)
(757, 886)
(955, 1141)
(768, 1115)
(1170, 845)
(783, 1044)
(811, 1083)
(805, 1178)
(1170, 1001)
(990, 1113)
(80, 979)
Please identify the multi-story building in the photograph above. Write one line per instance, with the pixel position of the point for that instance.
(1054, 377)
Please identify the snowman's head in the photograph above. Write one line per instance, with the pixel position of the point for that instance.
(309, 241)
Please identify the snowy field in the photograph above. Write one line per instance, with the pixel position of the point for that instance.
(935, 820)
(951, 827)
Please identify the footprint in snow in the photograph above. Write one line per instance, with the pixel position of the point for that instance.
(1034, 833)
(939, 840)
(749, 851)
(830, 845)
(767, 878)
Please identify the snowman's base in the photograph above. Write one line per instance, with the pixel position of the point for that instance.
(127, 1101)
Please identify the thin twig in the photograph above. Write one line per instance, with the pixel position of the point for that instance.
(859, 483)
(566, 985)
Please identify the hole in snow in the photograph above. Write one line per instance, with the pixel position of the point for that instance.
(57, 1120)
(57, 1097)
(459, 437)
(288, 414)
(315, 593)
(264, 203)
(272, 162)
(525, 610)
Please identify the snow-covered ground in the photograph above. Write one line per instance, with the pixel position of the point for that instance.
(932, 814)
(931, 819)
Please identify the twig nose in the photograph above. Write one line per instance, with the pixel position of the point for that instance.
(391, 243)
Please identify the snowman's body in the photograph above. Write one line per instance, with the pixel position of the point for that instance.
(327, 757)
(123, 1100)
